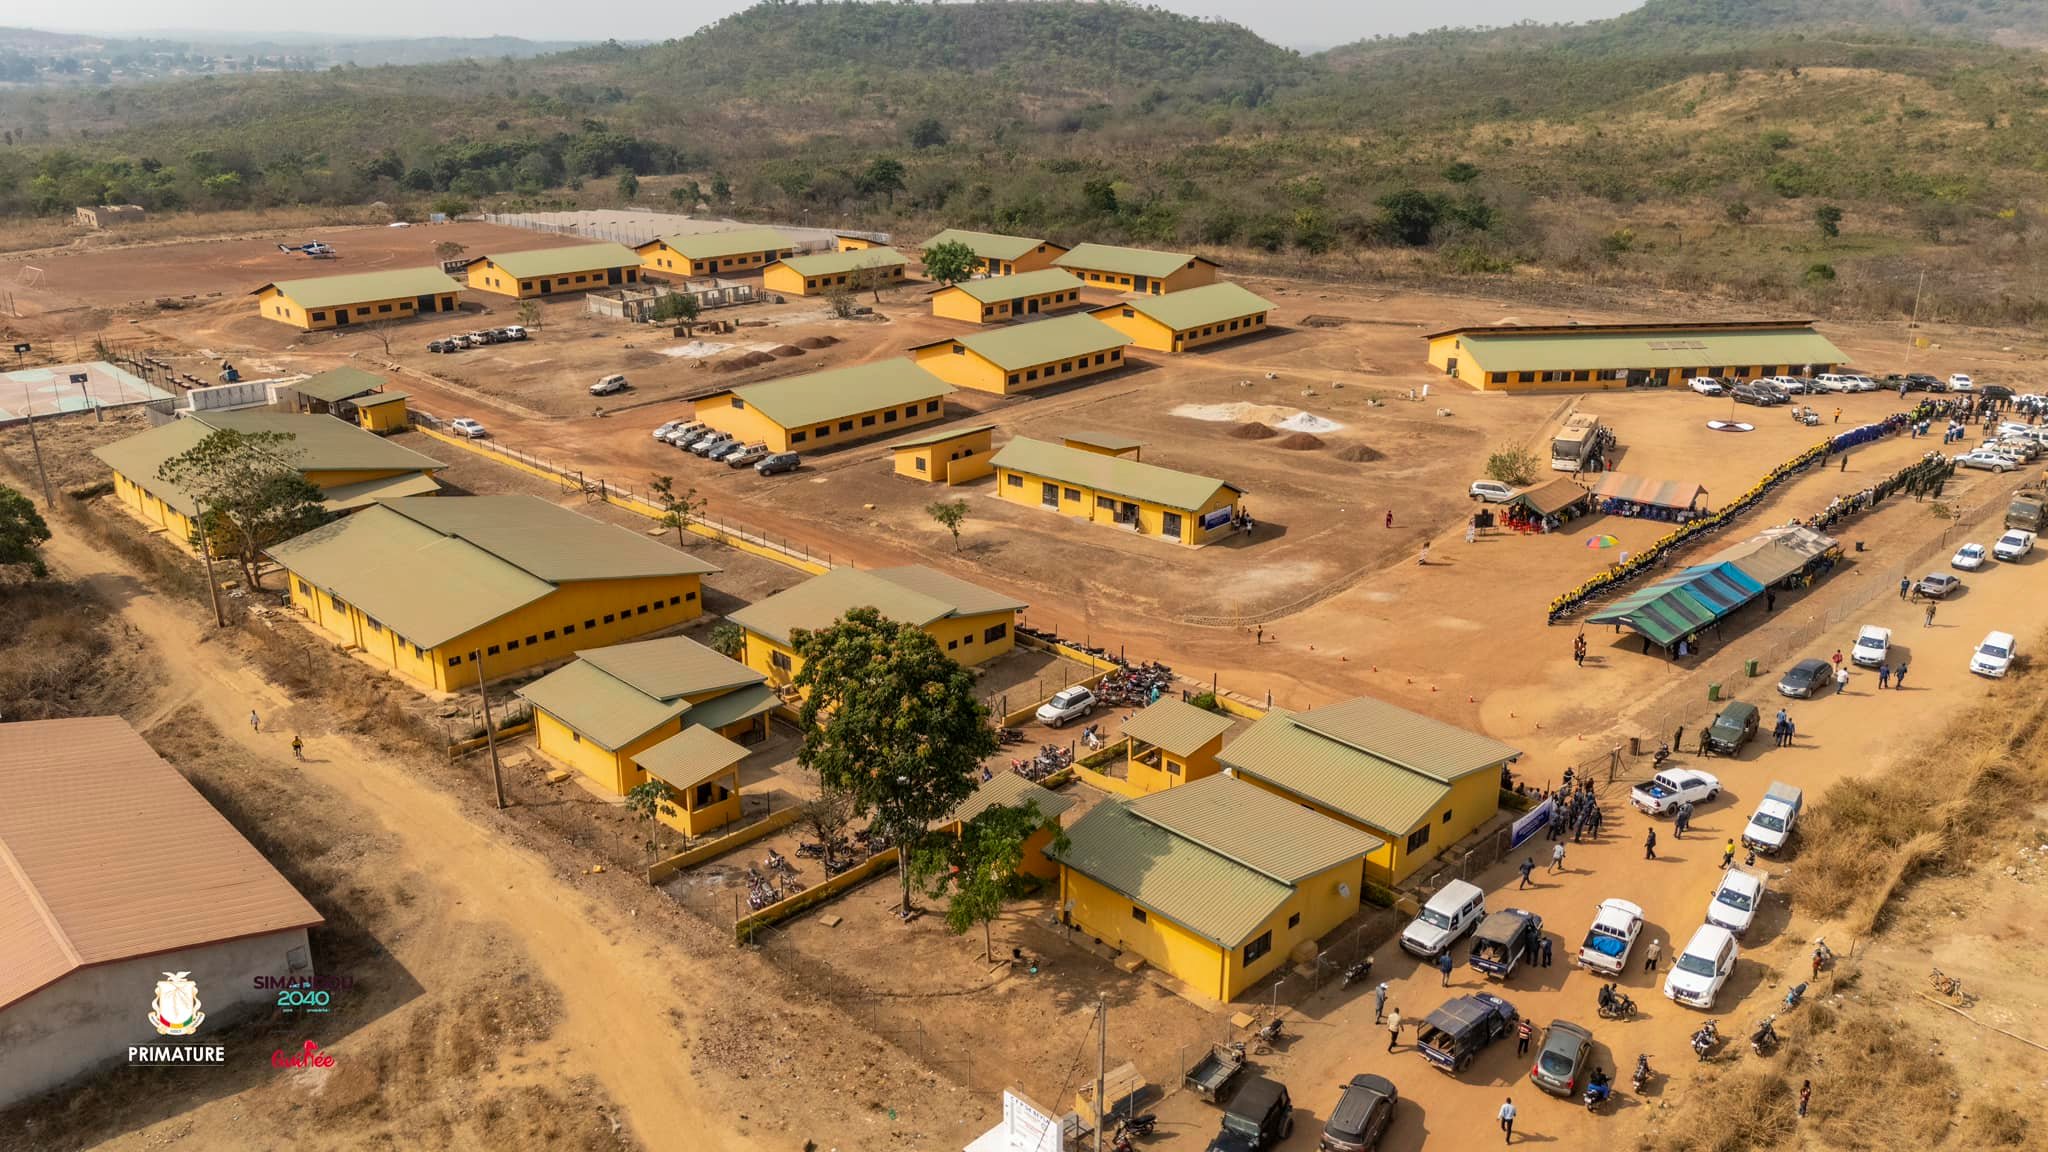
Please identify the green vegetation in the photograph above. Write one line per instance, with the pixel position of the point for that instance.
(250, 493)
(950, 514)
(978, 871)
(23, 533)
(948, 262)
(1513, 464)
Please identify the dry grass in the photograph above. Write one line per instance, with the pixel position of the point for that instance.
(352, 697)
(1996, 1126)
(58, 656)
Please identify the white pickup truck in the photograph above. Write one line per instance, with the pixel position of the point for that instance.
(1665, 791)
(1775, 815)
(1613, 934)
(2013, 545)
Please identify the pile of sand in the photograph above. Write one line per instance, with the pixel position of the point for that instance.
(818, 341)
(785, 350)
(1252, 430)
(753, 358)
(1299, 442)
(1359, 454)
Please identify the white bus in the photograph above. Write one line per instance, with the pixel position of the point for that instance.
(1576, 443)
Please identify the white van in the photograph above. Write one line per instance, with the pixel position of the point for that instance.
(1698, 972)
(1451, 913)
(616, 382)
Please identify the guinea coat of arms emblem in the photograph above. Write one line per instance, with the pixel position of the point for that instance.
(175, 1011)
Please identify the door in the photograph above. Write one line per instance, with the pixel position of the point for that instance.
(1451, 366)
(1169, 525)
(1138, 284)
(1049, 495)
(546, 287)
(340, 316)
(614, 275)
(1031, 306)
(424, 304)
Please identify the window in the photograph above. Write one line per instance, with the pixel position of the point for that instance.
(1066, 366)
(1031, 375)
(1105, 502)
(1130, 312)
(418, 652)
(918, 462)
(675, 600)
(374, 625)
(319, 315)
(1071, 493)
(1172, 766)
(967, 639)
(454, 660)
(994, 632)
(1418, 838)
(1496, 377)
(910, 411)
(363, 311)
(1294, 921)
(1257, 947)
(798, 437)
(1099, 358)
(640, 611)
(822, 431)
(1014, 480)
(305, 589)
(548, 635)
(575, 736)
(1233, 325)
(689, 595)
(779, 661)
(383, 307)
(986, 310)
(609, 617)
(959, 349)
(1013, 377)
(1116, 353)
(589, 624)
(491, 651)
(1137, 914)
(1447, 815)
(846, 425)
(889, 417)
(867, 421)
(532, 640)
(931, 406)
(738, 403)
(511, 645)
(336, 603)
(952, 644)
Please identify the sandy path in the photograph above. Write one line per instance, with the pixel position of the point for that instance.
(618, 997)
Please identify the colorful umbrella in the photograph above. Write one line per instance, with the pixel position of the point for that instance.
(1602, 542)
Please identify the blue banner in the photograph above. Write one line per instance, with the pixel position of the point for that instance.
(1532, 822)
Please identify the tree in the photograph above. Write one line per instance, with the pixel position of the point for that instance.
(449, 250)
(867, 278)
(382, 331)
(529, 313)
(927, 133)
(649, 799)
(721, 189)
(22, 533)
(978, 871)
(1460, 172)
(883, 177)
(826, 816)
(249, 492)
(1409, 216)
(677, 308)
(890, 718)
(1512, 464)
(728, 640)
(676, 508)
(840, 301)
(1737, 211)
(950, 514)
(629, 185)
(1828, 218)
(949, 262)
(1100, 196)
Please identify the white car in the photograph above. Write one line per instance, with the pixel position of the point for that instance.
(1872, 644)
(1456, 909)
(1699, 971)
(1969, 558)
(464, 426)
(1067, 704)
(1961, 383)
(1707, 386)
(1616, 924)
(662, 432)
(2013, 545)
(1994, 656)
(1858, 382)
(1492, 492)
(1734, 902)
(1833, 382)
(1990, 459)
(608, 385)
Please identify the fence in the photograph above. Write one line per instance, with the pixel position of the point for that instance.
(744, 928)
(661, 870)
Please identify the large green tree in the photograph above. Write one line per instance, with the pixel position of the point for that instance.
(22, 532)
(249, 490)
(883, 177)
(892, 721)
(978, 872)
(948, 262)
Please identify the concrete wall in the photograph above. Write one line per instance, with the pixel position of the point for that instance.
(89, 1018)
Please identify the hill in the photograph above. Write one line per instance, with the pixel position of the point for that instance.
(33, 58)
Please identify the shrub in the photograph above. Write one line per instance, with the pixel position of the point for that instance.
(1206, 702)
(1512, 464)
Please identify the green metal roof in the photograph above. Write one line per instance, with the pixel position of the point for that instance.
(599, 707)
(1040, 342)
(1106, 440)
(362, 287)
(739, 242)
(1009, 790)
(670, 667)
(379, 399)
(732, 707)
(1677, 348)
(941, 436)
(833, 263)
(987, 245)
(1218, 857)
(617, 694)
(536, 262)
(1112, 474)
(339, 384)
(1194, 307)
(1431, 747)
(1039, 283)
(349, 497)
(685, 759)
(911, 595)
(1177, 726)
(550, 541)
(818, 397)
(1126, 261)
(320, 443)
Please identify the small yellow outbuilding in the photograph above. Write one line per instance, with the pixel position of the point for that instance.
(1172, 743)
(1009, 790)
(1025, 356)
(1141, 498)
(972, 623)
(947, 456)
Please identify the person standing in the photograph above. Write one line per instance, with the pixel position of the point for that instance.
(1557, 858)
(1926, 623)
(1680, 819)
(1507, 1120)
(1443, 965)
(1390, 517)
(1546, 951)
(1838, 415)
(1379, 1003)
(1770, 600)
(1528, 865)
(1805, 1096)
(1884, 676)
(1523, 1032)
(1594, 817)
(1899, 678)
(1841, 680)
(1650, 844)
(1905, 586)
(1678, 739)
(1706, 749)
(1393, 1029)
(255, 725)
(1837, 658)
(298, 748)
(1650, 957)
(1424, 558)
(1728, 855)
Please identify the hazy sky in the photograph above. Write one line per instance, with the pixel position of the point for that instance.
(1290, 22)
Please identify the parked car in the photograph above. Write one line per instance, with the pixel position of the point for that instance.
(1732, 728)
(745, 457)
(1707, 386)
(778, 462)
(440, 346)
(1806, 679)
(1993, 657)
(1790, 385)
(513, 332)
(703, 445)
(1503, 940)
(464, 426)
(1833, 382)
(1492, 491)
(606, 385)
(1770, 826)
(2022, 447)
(1961, 383)
(1922, 382)
(1456, 909)
(688, 434)
(662, 433)
(1699, 971)
(1664, 792)
(1995, 392)
(1066, 704)
(1987, 458)
(1259, 1116)
(1361, 1116)
(1616, 924)
(1566, 1048)
(1736, 898)
(2013, 545)
(1455, 1033)
(729, 448)
(1969, 557)
(1936, 585)
(1872, 644)
(1761, 395)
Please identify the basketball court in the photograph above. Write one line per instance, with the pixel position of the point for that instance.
(57, 388)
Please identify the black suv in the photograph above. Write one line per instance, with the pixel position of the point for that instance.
(1259, 1117)
(1761, 395)
(1361, 1116)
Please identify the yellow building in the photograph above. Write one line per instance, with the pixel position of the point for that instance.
(554, 271)
(1584, 357)
(970, 622)
(1216, 883)
(432, 588)
(1105, 444)
(669, 707)
(822, 272)
(715, 253)
(1009, 790)
(999, 298)
(1141, 498)
(855, 242)
(1023, 357)
(999, 255)
(1184, 320)
(363, 298)
(382, 412)
(1140, 270)
(1419, 784)
(361, 398)
(1172, 743)
(947, 456)
(824, 409)
(351, 467)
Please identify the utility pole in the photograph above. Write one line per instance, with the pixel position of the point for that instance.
(1915, 321)
(220, 619)
(28, 406)
(490, 730)
(1101, 1058)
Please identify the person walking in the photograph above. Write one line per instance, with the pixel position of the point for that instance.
(1443, 965)
(1594, 818)
(1507, 1120)
(1899, 678)
(1650, 844)
(1728, 855)
(1557, 858)
(1650, 957)
(1805, 1096)
(1424, 558)
(1528, 866)
(1579, 650)
(1770, 600)
(298, 748)
(1838, 415)
(1680, 819)
(1791, 730)
(1379, 1003)
(1884, 676)
(255, 725)
(1523, 1032)
(1837, 658)
(1706, 749)
(1393, 1029)
(1390, 517)
(1841, 680)
(1929, 621)
(1905, 586)
(1258, 635)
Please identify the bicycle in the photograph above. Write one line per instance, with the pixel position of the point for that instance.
(1949, 986)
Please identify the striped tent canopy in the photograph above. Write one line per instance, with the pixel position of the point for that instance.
(1680, 494)
(1682, 603)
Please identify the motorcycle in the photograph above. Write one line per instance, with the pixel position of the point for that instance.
(1268, 1034)
(1138, 1125)
(1795, 995)
(1705, 1039)
(1642, 1073)
(1598, 1091)
(1357, 972)
(1764, 1040)
(1662, 754)
(1615, 1004)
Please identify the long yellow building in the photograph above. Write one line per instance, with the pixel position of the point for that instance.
(1142, 498)
(431, 589)
(1418, 784)
(821, 272)
(351, 467)
(1584, 357)
(715, 253)
(1024, 357)
(322, 302)
(670, 708)
(1184, 320)
(999, 298)
(1140, 270)
(999, 255)
(1215, 883)
(824, 409)
(970, 622)
(554, 271)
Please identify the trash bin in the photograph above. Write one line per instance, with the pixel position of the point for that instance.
(1713, 691)
(1749, 666)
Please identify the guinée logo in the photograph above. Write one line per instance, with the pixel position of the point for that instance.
(175, 1010)
(308, 1056)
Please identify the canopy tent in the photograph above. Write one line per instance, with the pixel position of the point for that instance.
(1549, 499)
(1677, 494)
(1683, 603)
(1775, 553)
